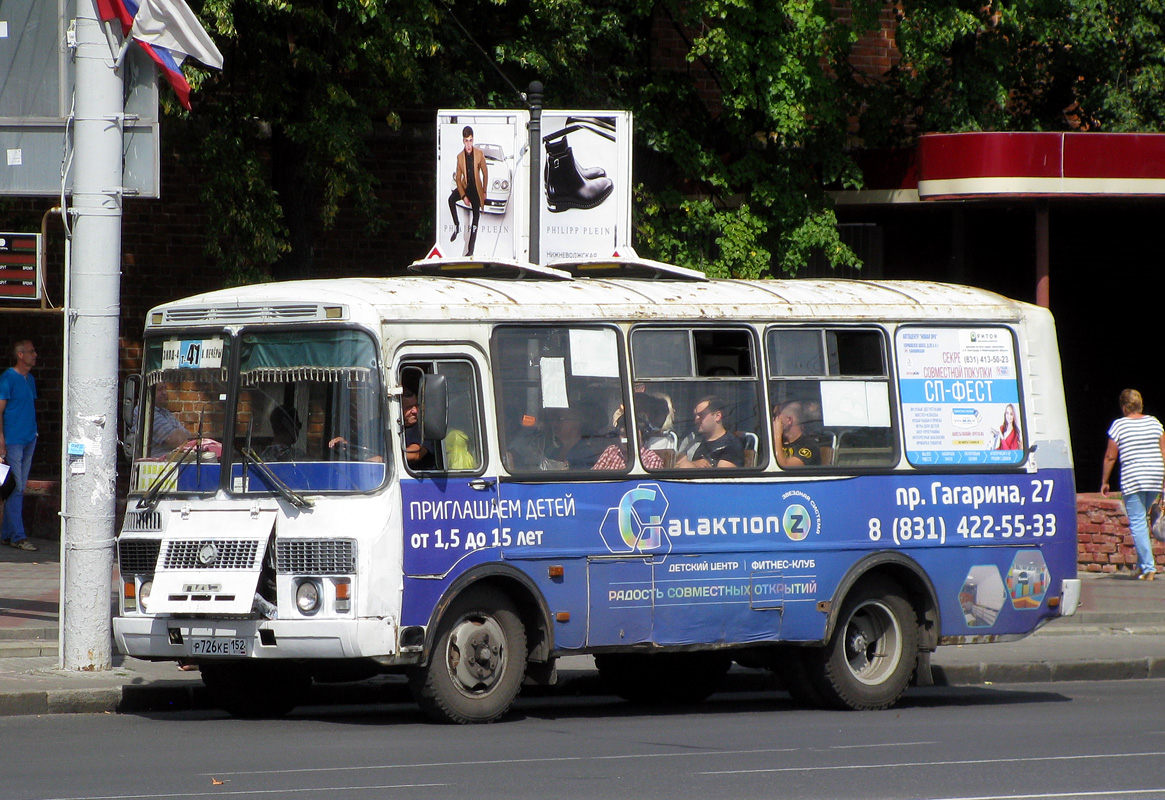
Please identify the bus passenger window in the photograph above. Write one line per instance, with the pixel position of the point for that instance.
(831, 398)
(558, 396)
(697, 398)
(461, 449)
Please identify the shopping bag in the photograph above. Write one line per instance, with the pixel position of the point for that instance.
(1157, 521)
(7, 482)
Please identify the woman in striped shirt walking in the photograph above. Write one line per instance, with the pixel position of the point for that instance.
(1138, 440)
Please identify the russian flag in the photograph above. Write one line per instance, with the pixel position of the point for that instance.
(169, 33)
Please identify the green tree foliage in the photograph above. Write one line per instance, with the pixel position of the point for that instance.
(1028, 65)
(283, 128)
(732, 181)
(734, 188)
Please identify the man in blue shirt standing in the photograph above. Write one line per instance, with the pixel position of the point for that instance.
(18, 438)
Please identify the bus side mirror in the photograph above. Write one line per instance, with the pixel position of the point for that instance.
(131, 391)
(434, 407)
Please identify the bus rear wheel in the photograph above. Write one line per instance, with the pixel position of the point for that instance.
(663, 678)
(478, 660)
(870, 657)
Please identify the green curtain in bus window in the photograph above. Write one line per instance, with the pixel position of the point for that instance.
(295, 349)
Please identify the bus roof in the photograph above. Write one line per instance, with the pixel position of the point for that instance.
(446, 299)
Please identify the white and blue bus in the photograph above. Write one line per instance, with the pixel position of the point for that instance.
(468, 472)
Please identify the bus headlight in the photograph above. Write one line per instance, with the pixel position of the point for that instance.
(308, 597)
(144, 596)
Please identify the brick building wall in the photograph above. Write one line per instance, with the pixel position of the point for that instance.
(1104, 542)
(876, 51)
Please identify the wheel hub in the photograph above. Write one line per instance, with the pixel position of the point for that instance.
(873, 643)
(858, 642)
(476, 653)
(483, 658)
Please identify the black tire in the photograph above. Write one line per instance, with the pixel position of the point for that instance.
(255, 689)
(792, 667)
(663, 678)
(868, 661)
(478, 689)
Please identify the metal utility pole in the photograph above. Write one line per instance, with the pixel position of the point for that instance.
(534, 99)
(92, 312)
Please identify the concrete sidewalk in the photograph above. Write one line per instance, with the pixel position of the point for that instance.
(1118, 633)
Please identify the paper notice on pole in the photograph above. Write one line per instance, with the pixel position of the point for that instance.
(76, 458)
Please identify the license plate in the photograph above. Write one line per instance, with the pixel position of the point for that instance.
(218, 646)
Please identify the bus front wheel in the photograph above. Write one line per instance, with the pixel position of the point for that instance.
(478, 660)
(870, 657)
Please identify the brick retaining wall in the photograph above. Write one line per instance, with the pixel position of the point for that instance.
(1104, 542)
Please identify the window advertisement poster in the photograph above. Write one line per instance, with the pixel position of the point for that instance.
(960, 396)
(480, 211)
(586, 185)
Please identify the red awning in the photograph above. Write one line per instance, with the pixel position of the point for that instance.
(963, 165)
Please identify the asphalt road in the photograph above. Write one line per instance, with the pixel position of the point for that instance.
(1066, 740)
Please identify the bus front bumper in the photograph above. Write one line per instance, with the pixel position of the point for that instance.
(194, 639)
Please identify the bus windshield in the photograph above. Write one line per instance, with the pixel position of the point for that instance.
(307, 413)
(184, 410)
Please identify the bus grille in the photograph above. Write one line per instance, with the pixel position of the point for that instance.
(245, 313)
(143, 521)
(197, 554)
(137, 556)
(315, 556)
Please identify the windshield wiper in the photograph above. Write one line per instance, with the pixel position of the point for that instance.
(175, 462)
(281, 488)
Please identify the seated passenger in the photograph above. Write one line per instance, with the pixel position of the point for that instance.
(418, 452)
(615, 456)
(166, 432)
(794, 447)
(284, 434)
(717, 446)
(572, 445)
(652, 418)
(526, 447)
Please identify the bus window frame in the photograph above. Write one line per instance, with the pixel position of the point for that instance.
(1023, 465)
(381, 402)
(204, 332)
(508, 474)
(478, 365)
(885, 332)
(760, 395)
